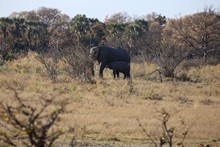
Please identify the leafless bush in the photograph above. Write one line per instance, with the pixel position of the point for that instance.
(78, 64)
(153, 140)
(193, 63)
(50, 61)
(31, 122)
(76, 61)
(169, 58)
(167, 132)
(51, 66)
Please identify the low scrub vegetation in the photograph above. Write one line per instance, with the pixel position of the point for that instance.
(107, 112)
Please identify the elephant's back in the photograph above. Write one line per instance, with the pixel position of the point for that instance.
(118, 54)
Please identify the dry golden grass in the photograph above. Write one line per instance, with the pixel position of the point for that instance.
(108, 110)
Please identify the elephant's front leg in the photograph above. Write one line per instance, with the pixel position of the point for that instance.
(125, 76)
(114, 73)
(101, 68)
(117, 73)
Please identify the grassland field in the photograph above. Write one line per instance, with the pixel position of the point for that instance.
(110, 112)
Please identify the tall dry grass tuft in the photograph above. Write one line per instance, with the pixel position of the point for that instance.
(207, 74)
(27, 64)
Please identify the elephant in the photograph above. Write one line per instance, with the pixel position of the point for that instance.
(105, 55)
(117, 67)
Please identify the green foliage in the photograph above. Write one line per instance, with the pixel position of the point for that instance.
(80, 24)
(153, 37)
(88, 31)
(18, 35)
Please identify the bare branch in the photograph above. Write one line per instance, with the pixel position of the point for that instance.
(146, 133)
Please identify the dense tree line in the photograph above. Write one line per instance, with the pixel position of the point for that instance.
(166, 41)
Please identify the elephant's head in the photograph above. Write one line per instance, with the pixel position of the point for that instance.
(94, 53)
(111, 66)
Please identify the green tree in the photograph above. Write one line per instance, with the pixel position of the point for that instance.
(87, 31)
(80, 26)
(19, 35)
(115, 28)
(97, 32)
(135, 35)
(117, 18)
